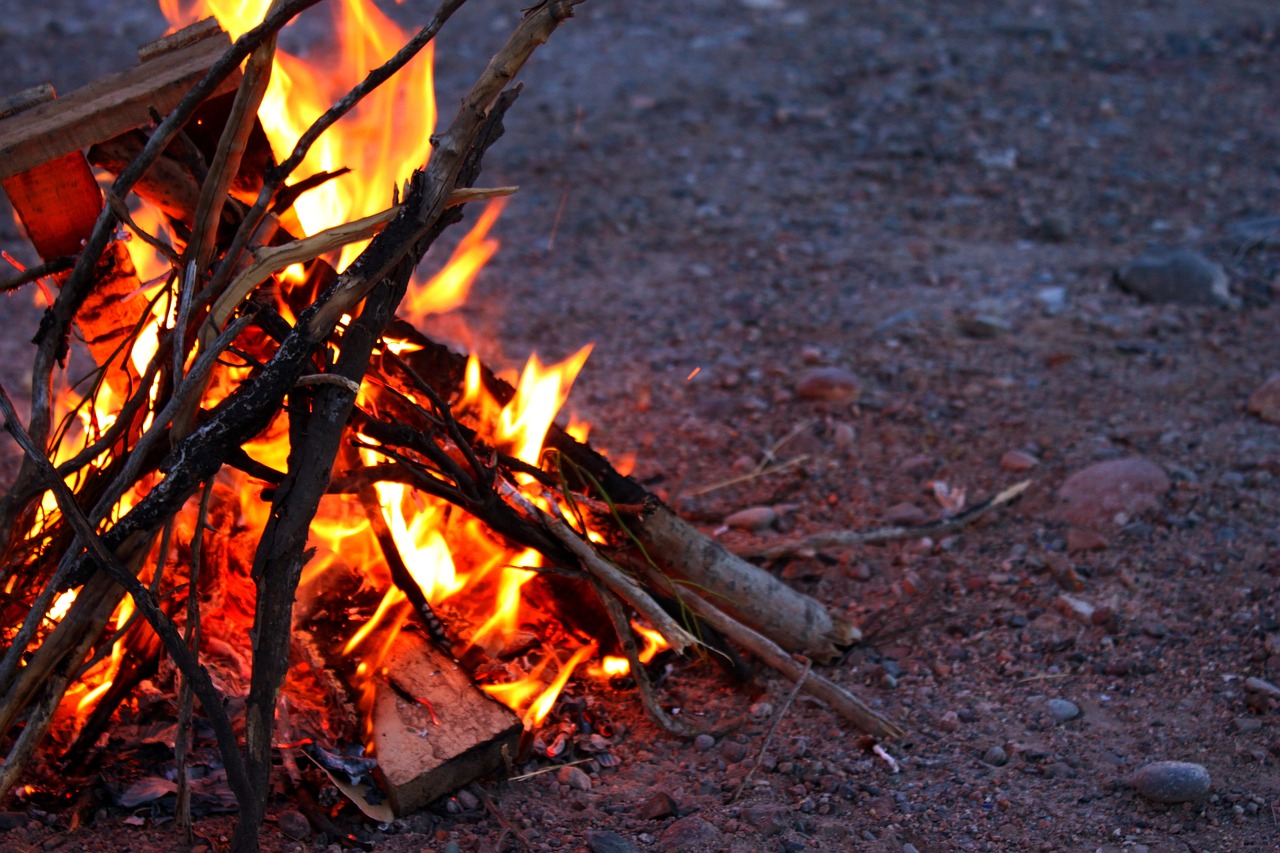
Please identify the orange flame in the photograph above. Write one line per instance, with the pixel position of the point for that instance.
(458, 565)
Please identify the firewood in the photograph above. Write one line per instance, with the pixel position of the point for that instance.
(418, 759)
(108, 107)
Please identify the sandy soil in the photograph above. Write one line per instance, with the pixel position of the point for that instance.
(931, 197)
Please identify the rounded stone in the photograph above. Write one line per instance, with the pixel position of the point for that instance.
(703, 742)
(1101, 492)
(1172, 781)
(996, 756)
(1181, 277)
(294, 824)
(1063, 710)
(829, 384)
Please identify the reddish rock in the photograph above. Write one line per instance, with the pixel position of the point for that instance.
(904, 514)
(1098, 494)
(1018, 461)
(1083, 539)
(828, 384)
(689, 834)
(1265, 402)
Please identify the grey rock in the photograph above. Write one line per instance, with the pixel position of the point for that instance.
(1063, 710)
(1179, 277)
(1119, 487)
(1052, 300)
(610, 842)
(704, 742)
(467, 800)
(1248, 725)
(996, 756)
(1172, 781)
(690, 833)
(761, 710)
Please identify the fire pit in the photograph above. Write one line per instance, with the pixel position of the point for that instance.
(268, 493)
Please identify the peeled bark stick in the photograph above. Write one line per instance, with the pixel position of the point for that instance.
(788, 617)
(840, 700)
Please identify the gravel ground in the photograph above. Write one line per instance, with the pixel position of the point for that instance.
(918, 207)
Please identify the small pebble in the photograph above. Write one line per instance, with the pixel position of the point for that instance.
(733, 751)
(949, 722)
(609, 842)
(761, 710)
(703, 742)
(467, 800)
(752, 518)
(1248, 725)
(1018, 461)
(656, 806)
(904, 513)
(828, 384)
(1063, 710)
(574, 777)
(294, 824)
(996, 756)
(1172, 781)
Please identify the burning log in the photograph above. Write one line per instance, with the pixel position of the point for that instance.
(351, 402)
(433, 730)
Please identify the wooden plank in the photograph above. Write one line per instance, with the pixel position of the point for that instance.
(418, 760)
(107, 107)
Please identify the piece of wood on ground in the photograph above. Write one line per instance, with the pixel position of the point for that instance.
(420, 761)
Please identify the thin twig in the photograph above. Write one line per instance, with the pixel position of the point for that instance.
(851, 538)
(49, 267)
(773, 727)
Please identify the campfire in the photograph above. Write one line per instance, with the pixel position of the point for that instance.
(252, 484)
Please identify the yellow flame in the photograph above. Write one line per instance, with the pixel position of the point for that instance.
(448, 289)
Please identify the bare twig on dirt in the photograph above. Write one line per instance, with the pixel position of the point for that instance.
(851, 538)
(773, 727)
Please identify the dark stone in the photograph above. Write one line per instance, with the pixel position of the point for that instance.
(1180, 277)
(610, 842)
